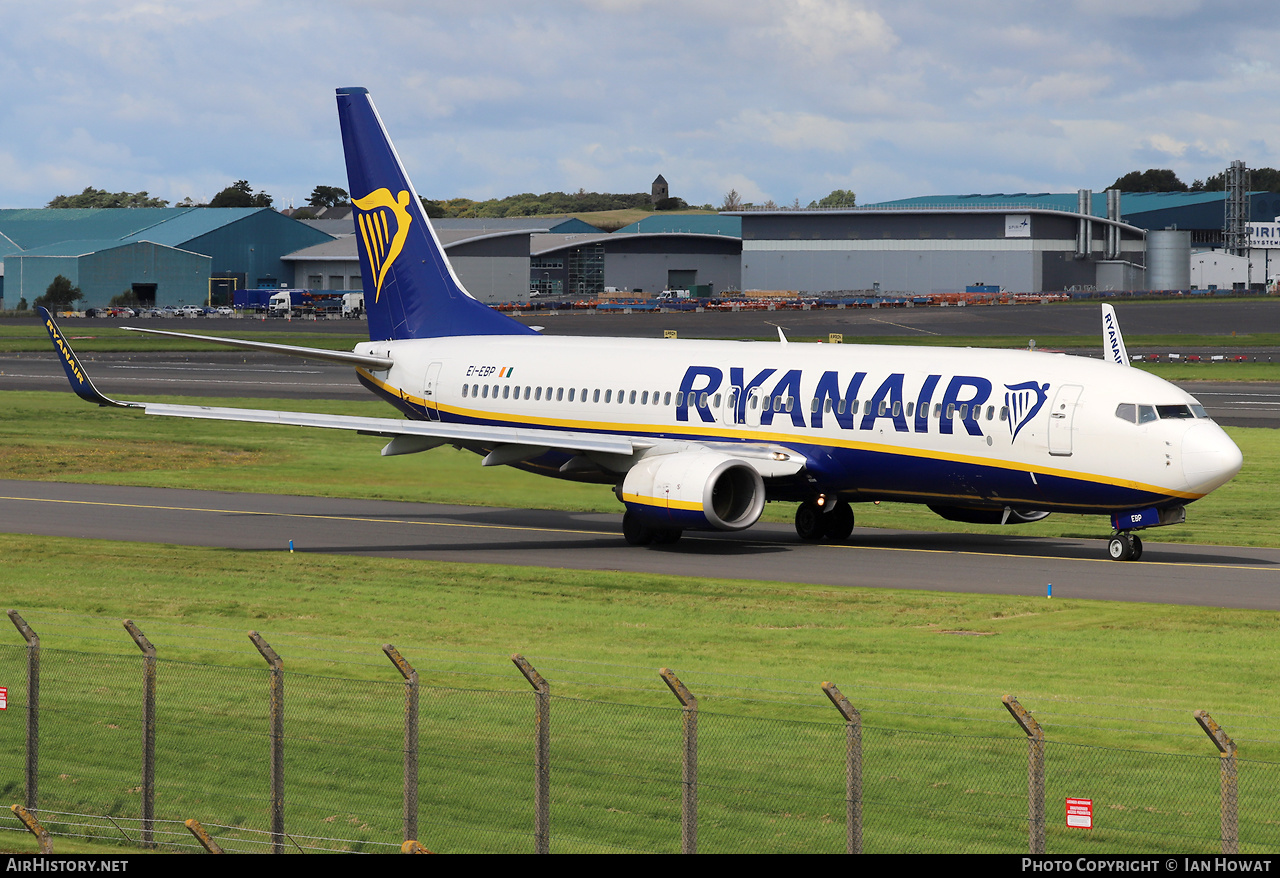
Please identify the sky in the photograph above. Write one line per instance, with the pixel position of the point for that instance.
(783, 101)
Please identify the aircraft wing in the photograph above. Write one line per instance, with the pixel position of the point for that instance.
(291, 350)
(509, 444)
(472, 434)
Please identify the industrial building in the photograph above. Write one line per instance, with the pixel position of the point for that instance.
(1022, 242)
(939, 249)
(504, 260)
(491, 261)
(661, 252)
(166, 256)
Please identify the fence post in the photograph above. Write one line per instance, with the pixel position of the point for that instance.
(688, 762)
(33, 710)
(276, 735)
(541, 755)
(33, 826)
(1035, 771)
(202, 835)
(1227, 765)
(852, 768)
(410, 740)
(148, 732)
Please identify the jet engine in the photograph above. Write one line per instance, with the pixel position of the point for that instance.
(694, 490)
(988, 514)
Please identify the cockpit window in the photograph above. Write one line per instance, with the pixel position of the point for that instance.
(1145, 414)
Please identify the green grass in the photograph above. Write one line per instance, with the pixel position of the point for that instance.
(1113, 683)
(106, 336)
(196, 604)
(103, 336)
(1108, 681)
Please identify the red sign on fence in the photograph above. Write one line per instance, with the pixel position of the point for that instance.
(4, 698)
(1080, 813)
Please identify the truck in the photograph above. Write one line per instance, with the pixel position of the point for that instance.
(353, 305)
(251, 300)
(305, 303)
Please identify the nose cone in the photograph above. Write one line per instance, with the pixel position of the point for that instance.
(1209, 457)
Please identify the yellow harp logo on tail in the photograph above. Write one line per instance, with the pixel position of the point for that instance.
(383, 222)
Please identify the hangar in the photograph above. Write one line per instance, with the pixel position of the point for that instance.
(1023, 242)
(165, 255)
(938, 250)
(502, 260)
(493, 264)
(660, 252)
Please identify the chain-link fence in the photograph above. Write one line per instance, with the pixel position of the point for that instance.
(364, 764)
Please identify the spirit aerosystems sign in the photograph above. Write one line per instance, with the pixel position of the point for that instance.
(1264, 236)
(1017, 225)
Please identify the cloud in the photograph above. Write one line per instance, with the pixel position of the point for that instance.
(822, 31)
(776, 98)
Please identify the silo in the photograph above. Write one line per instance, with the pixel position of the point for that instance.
(1169, 260)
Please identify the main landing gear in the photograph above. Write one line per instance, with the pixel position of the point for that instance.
(1125, 546)
(636, 533)
(832, 521)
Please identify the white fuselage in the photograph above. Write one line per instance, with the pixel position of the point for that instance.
(1027, 429)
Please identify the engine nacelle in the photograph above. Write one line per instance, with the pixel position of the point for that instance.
(988, 515)
(694, 490)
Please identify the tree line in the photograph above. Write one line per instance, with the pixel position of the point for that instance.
(238, 194)
(1165, 180)
(241, 194)
(548, 203)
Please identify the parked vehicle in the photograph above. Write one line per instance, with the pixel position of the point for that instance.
(251, 300)
(288, 303)
(353, 305)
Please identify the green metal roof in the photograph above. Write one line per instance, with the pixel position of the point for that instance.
(176, 231)
(1047, 200)
(39, 228)
(692, 223)
(172, 226)
(73, 248)
(1131, 203)
(1148, 210)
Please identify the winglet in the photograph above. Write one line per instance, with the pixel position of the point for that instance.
(76, 374)
(1113, 349)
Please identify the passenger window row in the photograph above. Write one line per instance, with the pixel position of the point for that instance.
(572, 394)
(702, 400)
(887, 409)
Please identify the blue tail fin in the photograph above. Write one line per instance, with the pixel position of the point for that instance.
(410, 290)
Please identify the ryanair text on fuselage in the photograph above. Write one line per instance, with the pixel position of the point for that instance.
(836, 398)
